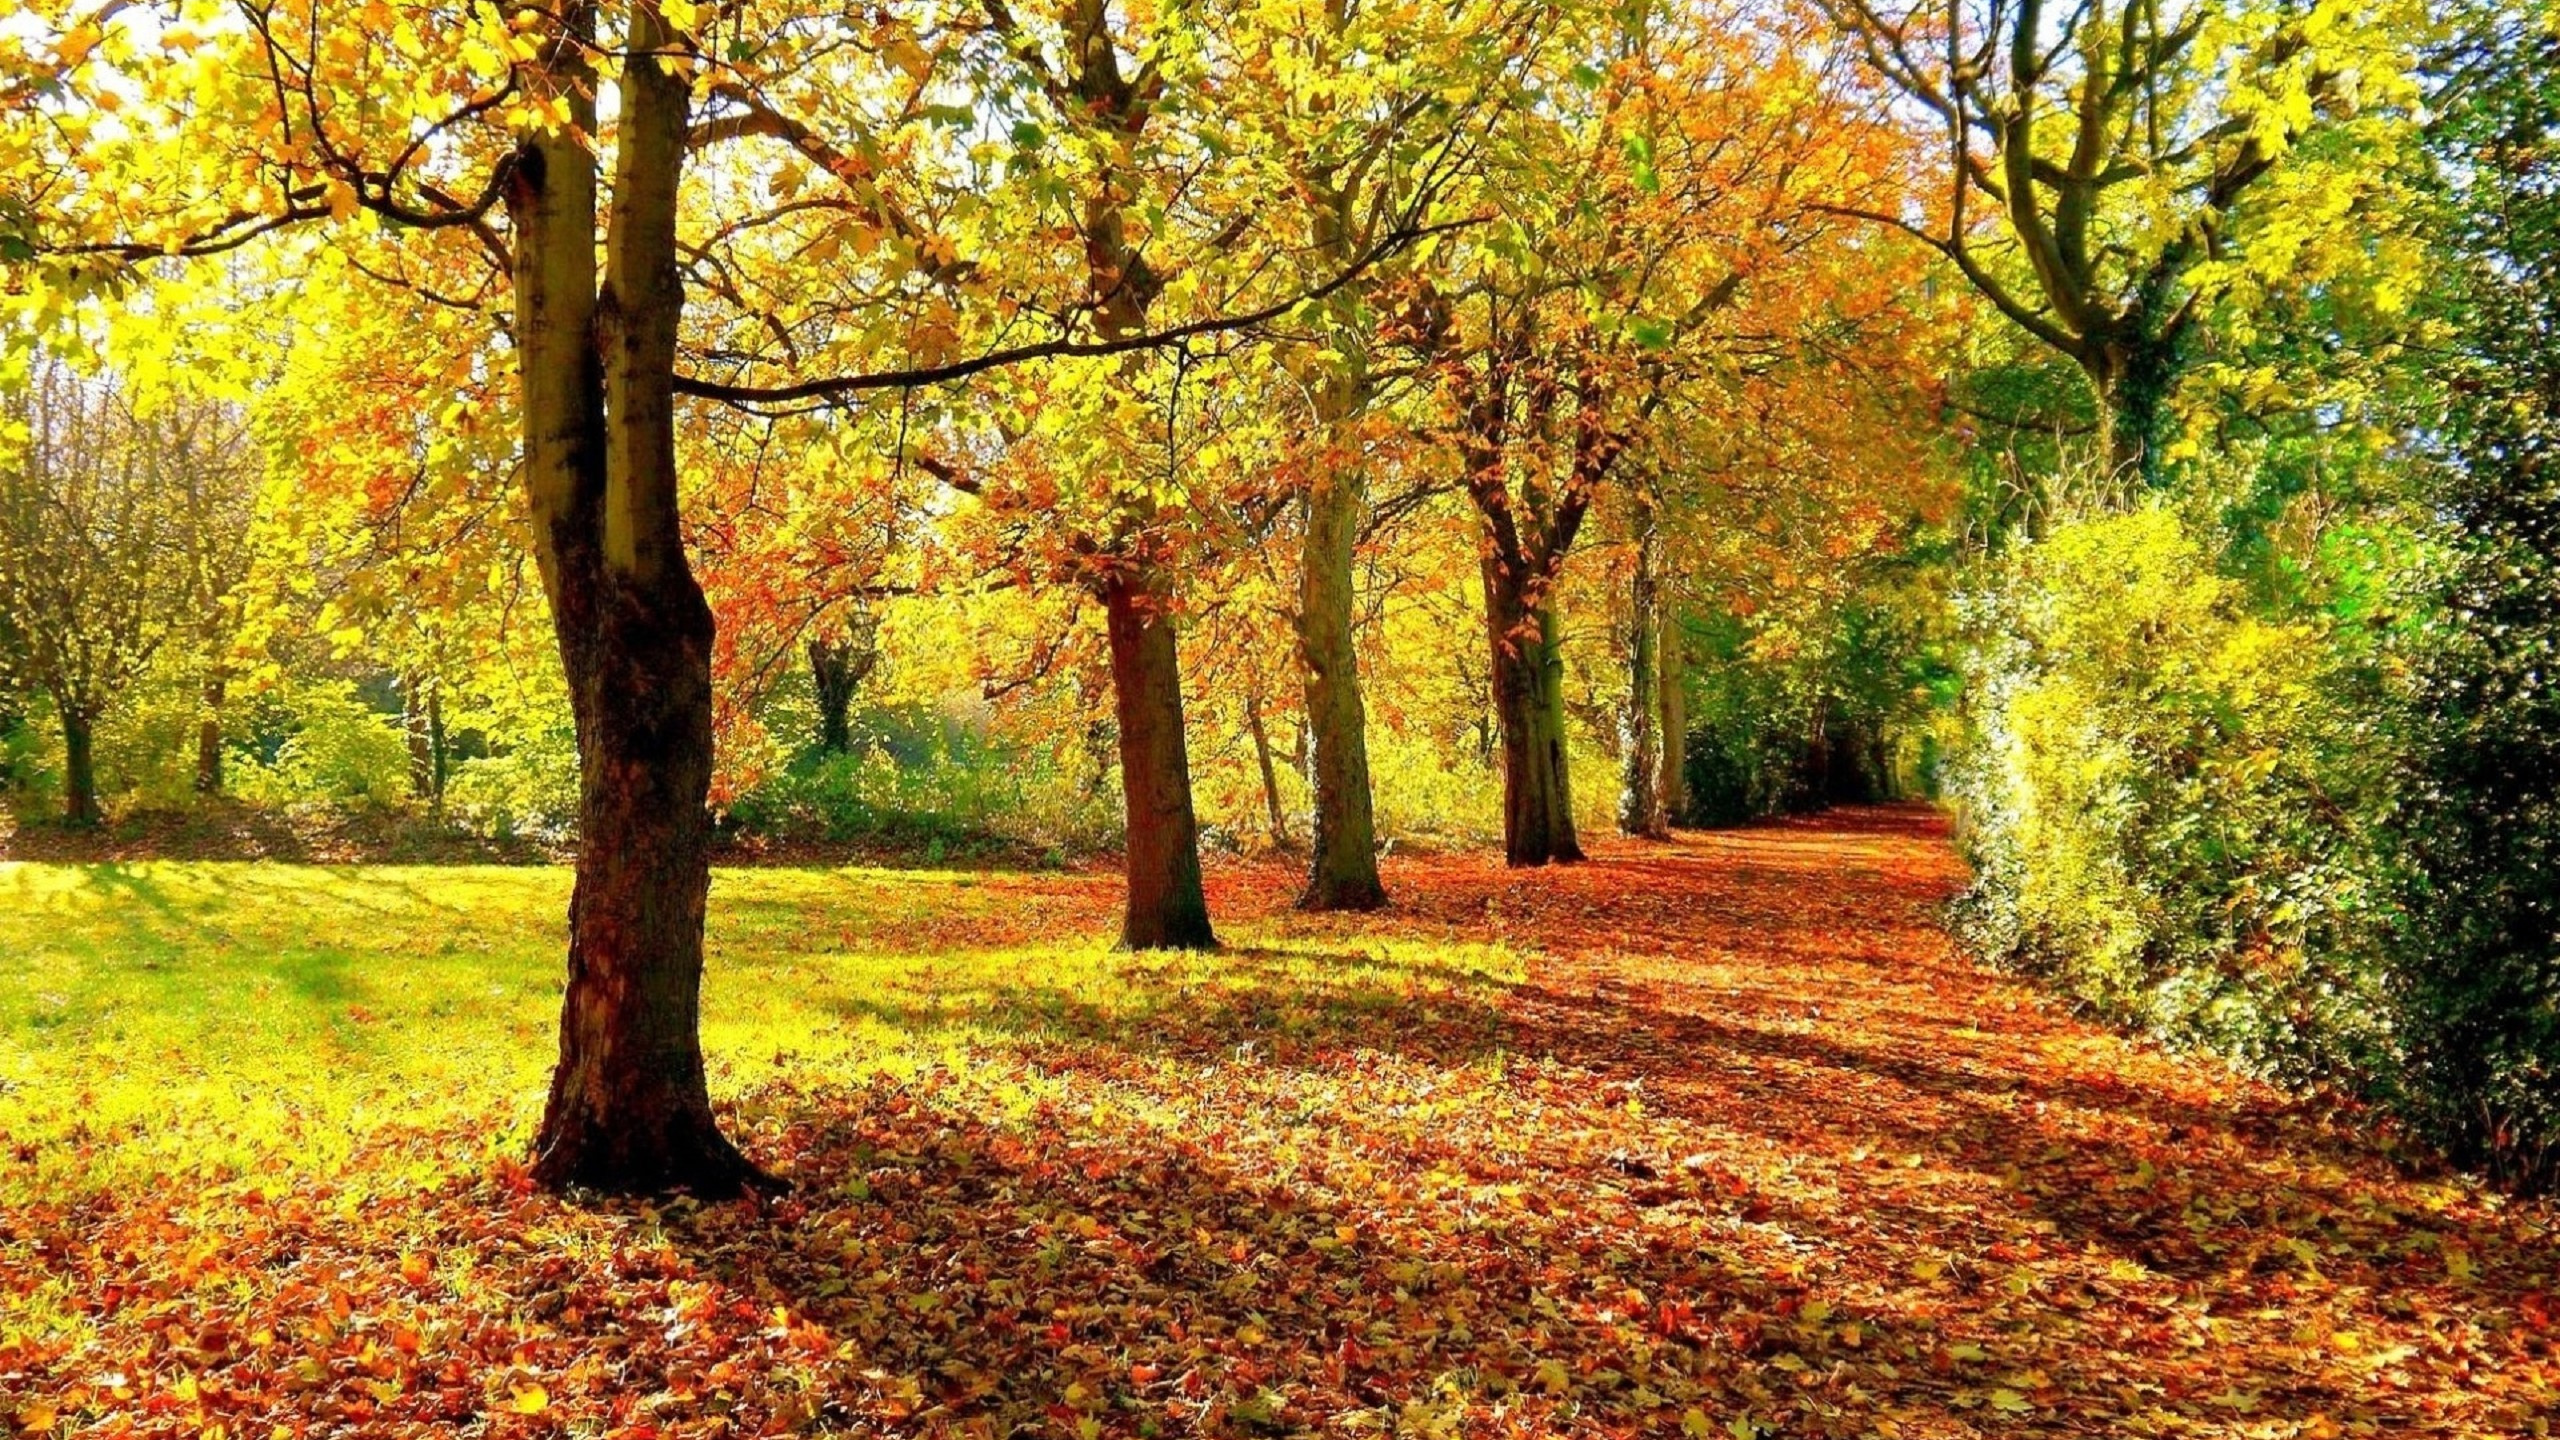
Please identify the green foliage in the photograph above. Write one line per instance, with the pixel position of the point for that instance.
(917, 781)
(527, 788)
(2477, 980)
(2162, 796)
(1796, 713)
(320, 741)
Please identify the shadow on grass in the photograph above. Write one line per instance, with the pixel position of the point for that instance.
(1284, 1004)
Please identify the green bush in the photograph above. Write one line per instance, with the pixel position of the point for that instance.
(2161, 798)
(2477, 983)
(146, 746)
(323, 743)
(527, 789)
(917, 781)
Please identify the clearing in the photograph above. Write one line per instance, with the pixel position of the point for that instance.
(1719, 1137)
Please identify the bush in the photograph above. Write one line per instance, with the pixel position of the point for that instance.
(2161, 798)
(526, 790)
(2478, 979)
(334, 748)
(926, 783)
(146, 745)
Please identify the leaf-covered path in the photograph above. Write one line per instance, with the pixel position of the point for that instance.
(1718, 1136)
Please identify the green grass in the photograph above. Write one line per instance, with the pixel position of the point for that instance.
(228, 1019)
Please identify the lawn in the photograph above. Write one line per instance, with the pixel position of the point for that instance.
(1718, 1138)
(255, 1021)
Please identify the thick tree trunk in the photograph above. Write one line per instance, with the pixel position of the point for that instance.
(1342, 865)
(1168, 910)
(629, 1110)
(79, 768)
(1528, 697)
(2133, 378)
(209, 734)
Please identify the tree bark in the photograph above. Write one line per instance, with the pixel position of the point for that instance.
(1342, 864)
(1273, 814)
(831, 675)
(79, 768)
(837, 668)
(1167, 908)
(209, 734)
(629, 1110)
(1670, 660)
(1528, 696)
(1642, 809)
(422, 726)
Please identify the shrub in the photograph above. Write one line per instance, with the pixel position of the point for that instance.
(920, 781)
(334, 749)
(527, 789)
(2161, 798)
(2477, 985)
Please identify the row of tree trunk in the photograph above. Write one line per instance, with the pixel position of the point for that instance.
(628, 1108)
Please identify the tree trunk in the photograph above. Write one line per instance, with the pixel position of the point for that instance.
(1342, 864)
(831, 674)
(1670, 663)
(1642, 808)
(837, 668)
(209, 734)
(1276, 817)
(1167, 908)
(422, 725)
(2133, 377)
(79, 768)
(1528, 696)
(629, 1110)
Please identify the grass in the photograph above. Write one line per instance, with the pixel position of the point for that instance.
(228, 1019)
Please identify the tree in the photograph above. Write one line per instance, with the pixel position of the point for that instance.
(96, 501)
(1656, 237)
(1655, 723)
(838, 664)
(237, 132)
(2097, 155)
(1358, 147)
(1166, 906)
(208, 474)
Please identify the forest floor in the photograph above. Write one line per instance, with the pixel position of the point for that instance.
(1715, 1138)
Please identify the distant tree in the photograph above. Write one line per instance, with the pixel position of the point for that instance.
(838, 664)
(2097, 156)
(94, 520)
(205, 474)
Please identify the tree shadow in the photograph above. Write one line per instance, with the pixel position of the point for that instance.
(1300, 1005)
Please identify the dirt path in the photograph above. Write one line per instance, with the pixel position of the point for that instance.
(1719, 1138)
(1970, 1212)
